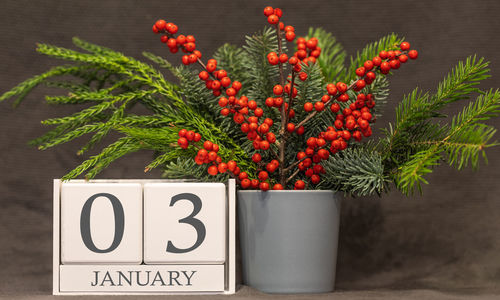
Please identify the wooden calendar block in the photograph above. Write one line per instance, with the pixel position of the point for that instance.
(184, 223)
(101, 223)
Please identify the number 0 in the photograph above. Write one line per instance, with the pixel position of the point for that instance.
(85, 223)
(191, 220)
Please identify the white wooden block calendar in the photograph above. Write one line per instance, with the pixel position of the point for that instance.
(143, 237)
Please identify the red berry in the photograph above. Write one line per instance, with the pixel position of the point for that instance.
(212, 170)
(222, 167)
(385, 67)
(319, 106)
(197, 137)
(360, 71)
(395, 64)
(377, 61)
(370, 76)
(293, 60)
(343, 98)
(403, 58)
(270, 102)
(172, 28)
(263, 175)
(273, 59)
(404, 46)
(302, 76)
(264, 145)
(185, 60)
(277, 186)
(283, 58)
(335, 107)
(290, 36)
(290, 127)
(300, 130)
(155, 29)
(208, 145)
(341, 87)
(211, 67)
(203, 75)
(230, 92)
(315, 179)
(183, 142)
(273, 19)
(368, 65)
(160, 24)
(256, 157)
(264, 186)
(312, 43)
(278, 90)
(413, 54)
(300, 185)
(245, 183)
(190, 39)
(308, 106)
(236, 85)
(182, 133)
(331, 89)
(268, 11)
(270, 167)
(383, 54)
(360, 84)
(181, 39)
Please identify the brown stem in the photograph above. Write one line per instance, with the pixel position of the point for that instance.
(292, 176)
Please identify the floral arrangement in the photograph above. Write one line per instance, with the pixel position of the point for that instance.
(270, 117)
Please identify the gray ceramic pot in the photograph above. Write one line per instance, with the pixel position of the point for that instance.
(289, 240)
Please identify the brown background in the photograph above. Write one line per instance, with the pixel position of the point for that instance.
(448, 239)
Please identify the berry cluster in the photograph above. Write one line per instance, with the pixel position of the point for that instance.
(352, 123)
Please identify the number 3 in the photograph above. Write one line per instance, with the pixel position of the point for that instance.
(191, 220)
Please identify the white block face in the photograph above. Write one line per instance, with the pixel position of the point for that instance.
(184, 223)
(101, 223)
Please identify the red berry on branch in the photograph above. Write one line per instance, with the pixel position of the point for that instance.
(283, 58)
(403, 58)
(308, 106)
(269, 102)
(160, 24)
(385, 67)
(360, 71)
(300, 185)
(278, 102)
(190, 39)
(277, 186)
(395, 64)
(222, 168)
(290, 36)
(181, 39)
(256, 157)
(300, 130)
(271, 138)
(377, 61)
(360, 84)
(311, 142)
(331, 89)
(343, 98)
(289, 28)
(264, 145)
(270, 167)
(185, 60)
(273, 19)
(243, 175)
(315, 179)
(290, 127)
(263, 175)
(404, 46)
(278, 90)
(225, 111)
(341, 87)
(245, 183)
(268, 10)
(370, 76)
(391, 54)
(278, 12)
(368, 65)
(383, 54)
(230, 92)
(413, 54)
(212, 170)
(155, 29)
(183, 142)
(172, 28)
(312, 43)
(164, 39)
(303, 76)
(319, 106)
(293, 60)
(264, 186)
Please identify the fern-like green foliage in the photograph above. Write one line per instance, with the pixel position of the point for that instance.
(356, 171)
(415, 144)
